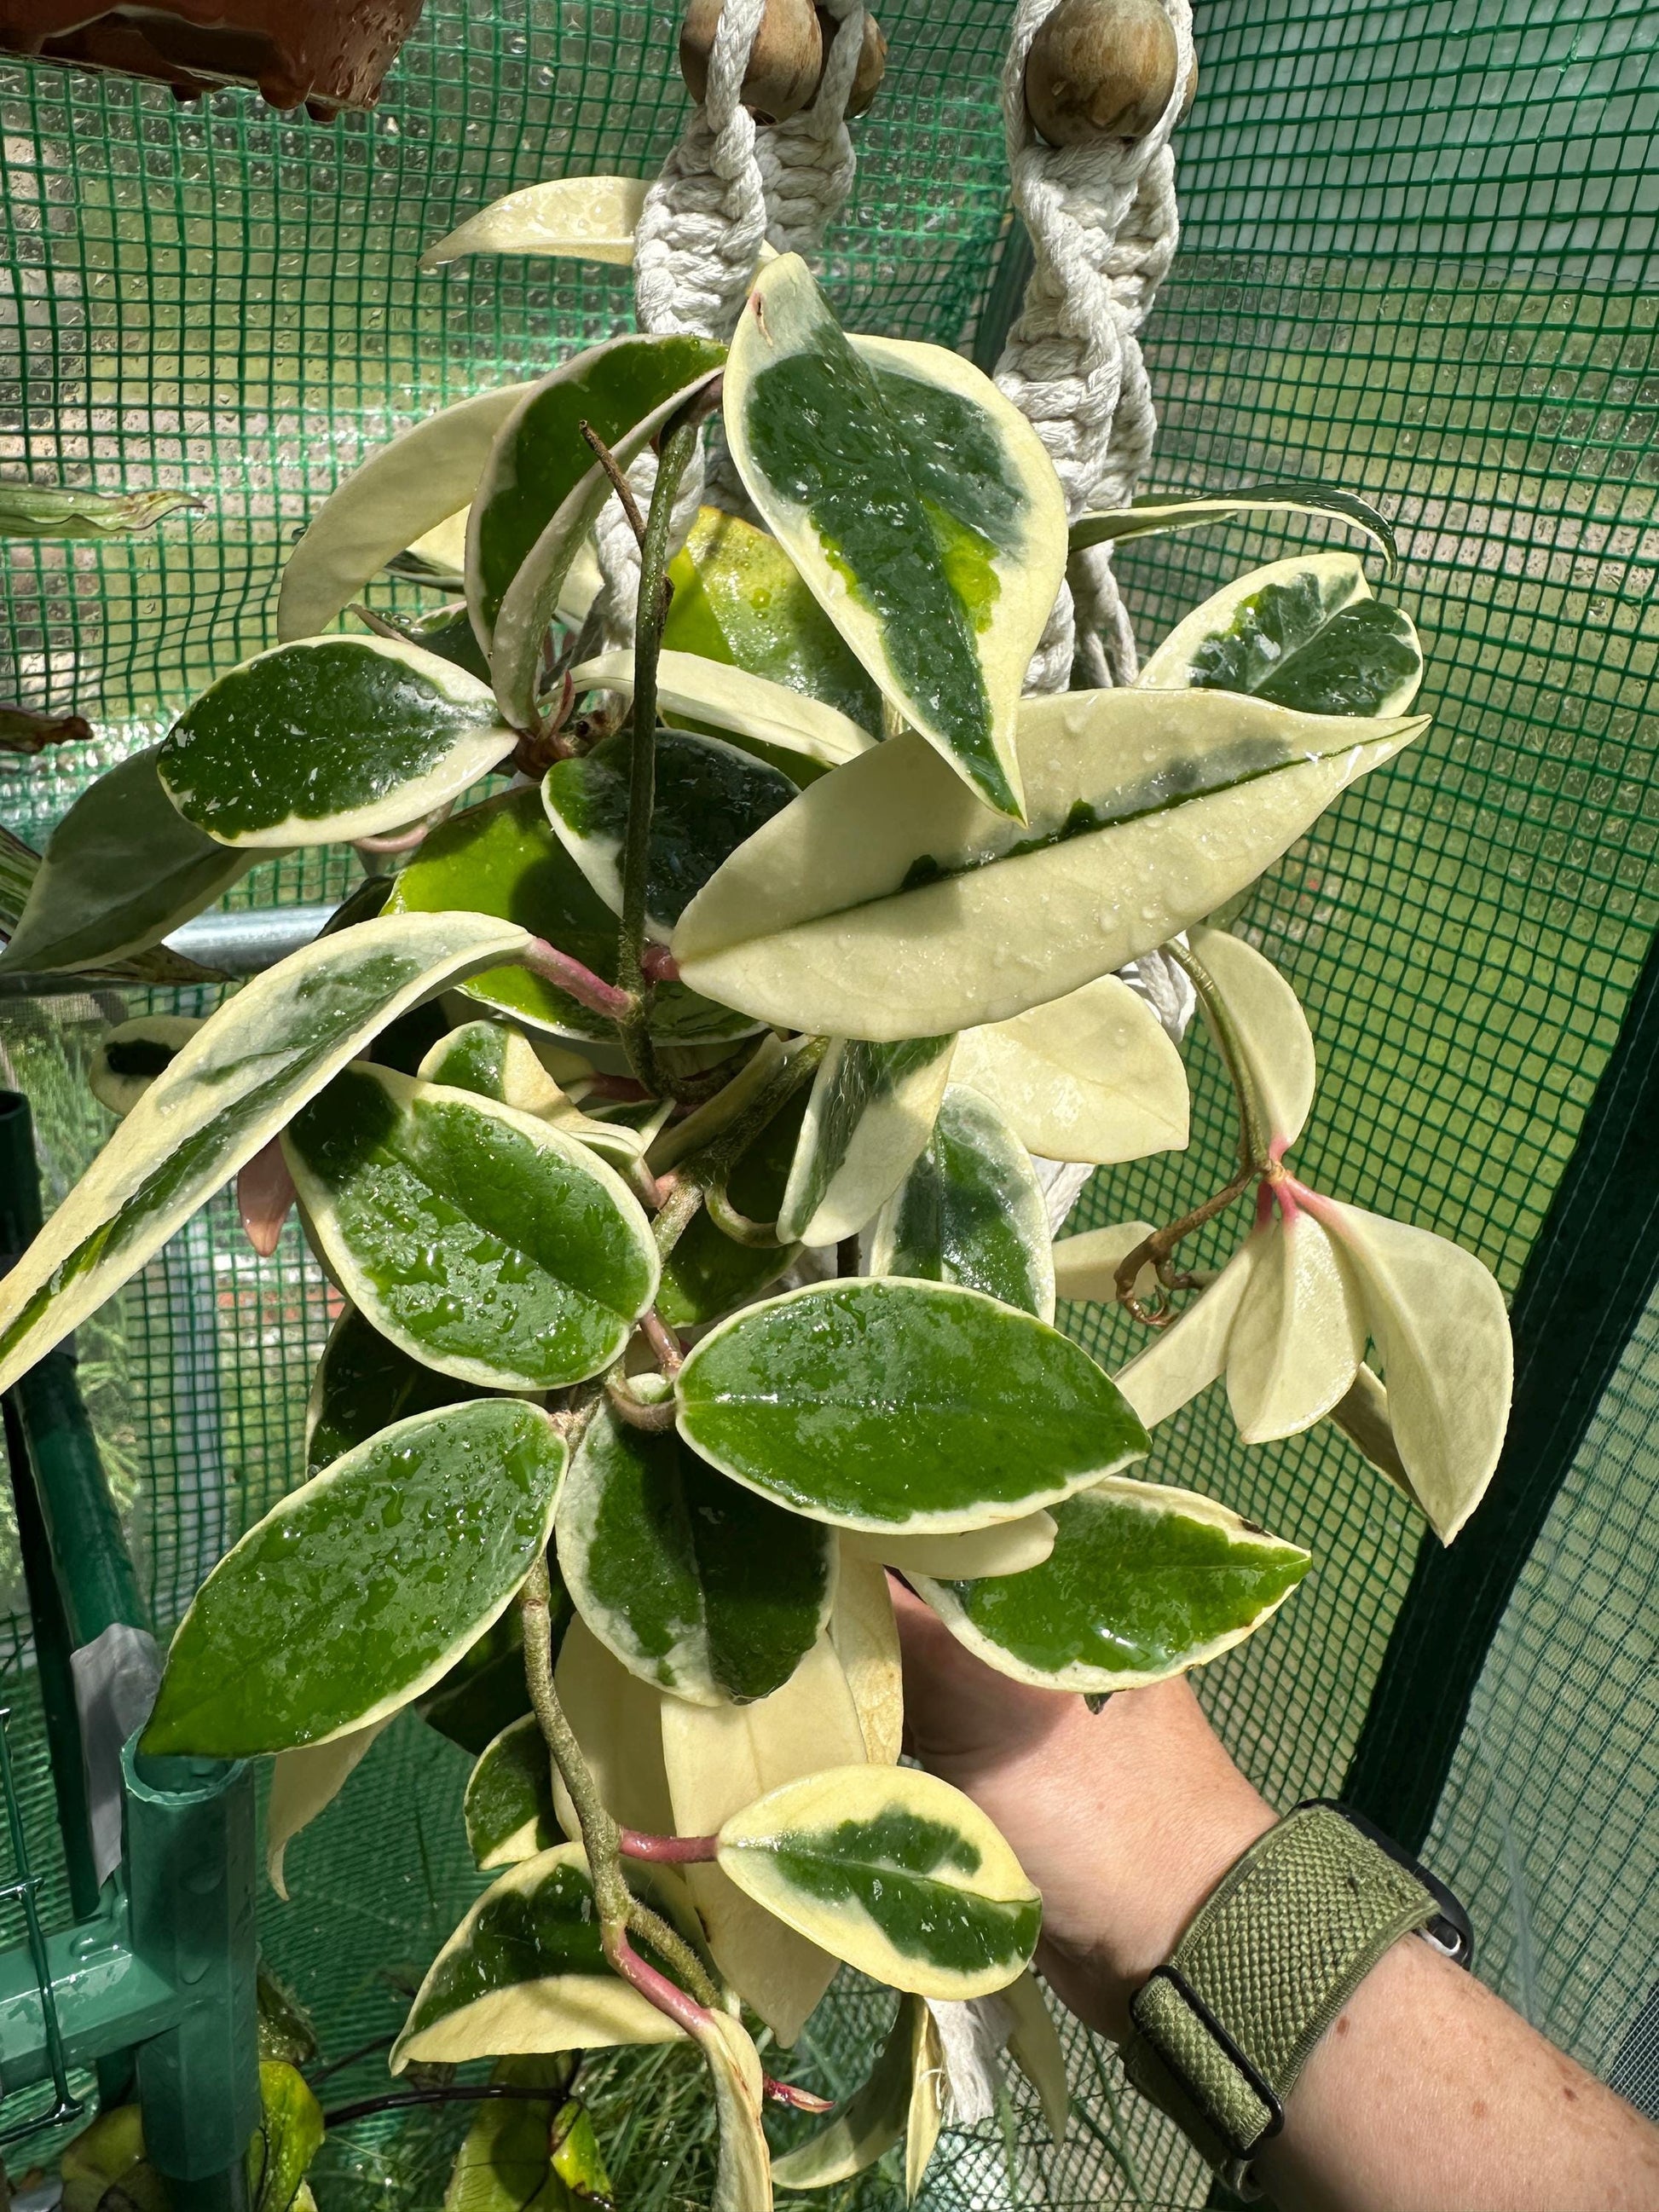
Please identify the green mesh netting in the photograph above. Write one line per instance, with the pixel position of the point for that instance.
(1414, 246)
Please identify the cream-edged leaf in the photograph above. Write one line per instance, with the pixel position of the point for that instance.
(1362, 1414)
(498, 1062)
(1438, 1318)
(1091, 1076)
(720, 1758)
(1155, 512)
(1305, 633)
(970, 1210)
(869, 1114)
(481, 1240)
(1144, 1582)
(1009, 1548)
(525, 1972)
(121, 870)
(908, 1408)
(303, 1782)
(743, 2178)
(400, 493)
(1085, 1266)
(244, 1073)
(887, 903)
(618, 1724)
(571, 218)
(1187, 1357)
(1300, 1336)
(509, 1803)
(892, 1870)
(919, 506)
(873, 2119)
(1265, 1017)
(864, 1630)
(695, 1584)
(130, 1057)
(360, 1589)
(727, 698)
(327, 739)
(364, 1383)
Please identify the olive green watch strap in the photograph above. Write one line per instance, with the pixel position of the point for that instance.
(1223, 2031)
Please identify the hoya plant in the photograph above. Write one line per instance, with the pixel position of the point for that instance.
(676, 1125)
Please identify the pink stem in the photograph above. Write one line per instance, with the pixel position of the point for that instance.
(802, 2100)
(587, 989)
(620, 1087)
(667, 1996)
(264, 1194)
(668, 1850)
(670, 1352)
(659, 964)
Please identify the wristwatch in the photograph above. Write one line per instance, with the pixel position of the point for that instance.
(1224, 2029)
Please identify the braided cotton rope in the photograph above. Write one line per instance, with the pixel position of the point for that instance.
(1103, 225)
(726, 187)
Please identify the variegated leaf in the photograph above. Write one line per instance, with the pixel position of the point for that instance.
(1009, 1548)
(869, 1114)
(304, 1781)
(865, 1633)
(129, 1060)
(877, 2115)
(1157, 511)
(971, 1211)
(574, 218)
(1091, 1076)
(508, 1805)
(730, 699)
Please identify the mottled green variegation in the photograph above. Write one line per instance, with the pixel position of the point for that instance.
(1144, 1582)
(905, 1407)
(1305, 634)
(502, 858)
(886, 902)
(363, 1384)
(970, 1210)
(893, 1871)
(481, 1240)
(121, 870)
(509, 1804)
(362, 1587)
(403, 491)
(918, 505)
(241, 1075)
(698, 1586)
(869, 1115)
(526, 1973)
(328, 739)
(709, 797)
(1157, 511)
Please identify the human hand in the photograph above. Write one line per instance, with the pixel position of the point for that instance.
(1125, 1820)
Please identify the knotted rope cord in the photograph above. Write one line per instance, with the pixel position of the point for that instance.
(726, 187)
(1103, 225)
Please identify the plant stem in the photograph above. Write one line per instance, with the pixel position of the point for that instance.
(708, 1168)
(668, 1850)
(651, 1928)
(678, 445)
(570, 976)
(1158, 1247)
(675, 1216)
(623, 489)
(655, 1417)
(669, 1352)
(1254, 1136)
(760, 1236)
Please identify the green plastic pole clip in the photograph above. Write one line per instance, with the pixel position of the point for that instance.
(191, 1872)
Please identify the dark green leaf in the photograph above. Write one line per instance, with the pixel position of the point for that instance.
(971, 1211)
(363, 1384)
(508, 1806)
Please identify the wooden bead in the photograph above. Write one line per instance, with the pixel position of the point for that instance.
(785, 62)
(1101, 68)
(872, 62)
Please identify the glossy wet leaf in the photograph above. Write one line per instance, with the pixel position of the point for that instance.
(498, 1062)
(970, 1210)
(708, 1273)
(404, 489)
(120, 871)
(578, 218)
(542, 488)
(363, 1384)
(502, 858)
(1304, 633)
(448, 632)
(886, 902)
(304, 1782)
(869, 1114)
(875, 2117)
(130, 1057)
(481, 1240)
(907, 1407)
(1144, 1582)
(328, 739)
(918, 505)
(249, 1066)
(485, 1690)
(749, 709)
(719, 1758)
(362, 1587)
(28, 510)
(698, 1586)
(1157, 511)
(1092, 1076)
(892, 1870)
(527, 2154)
(739, 599)
(509, 1804)
(290, 2135)
(1267, 1019)
(1008, 1548)
(525, 1972)
(710, 797)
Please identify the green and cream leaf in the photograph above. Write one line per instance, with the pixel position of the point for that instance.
(363, 1384)
(574, 218)
(130, 1057)
(1157, 512)
(871, 1111)
(509, 1804)
(879, 2113)
(28, 510)
(893, 1871)
(1008, 1548)
(730, 699)
(362, 1587)
(970, 1210)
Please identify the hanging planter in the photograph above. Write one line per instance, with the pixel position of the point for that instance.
(320, 53)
